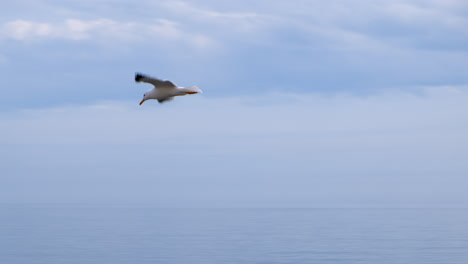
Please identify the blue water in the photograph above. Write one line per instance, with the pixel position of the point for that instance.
(142, 234)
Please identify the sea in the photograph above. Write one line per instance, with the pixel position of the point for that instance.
(130, 234)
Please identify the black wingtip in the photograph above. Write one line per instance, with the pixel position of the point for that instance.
(138, 77)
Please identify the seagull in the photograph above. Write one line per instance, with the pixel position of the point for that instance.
(163, 90)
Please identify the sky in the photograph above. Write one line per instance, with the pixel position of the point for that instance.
(305, 103)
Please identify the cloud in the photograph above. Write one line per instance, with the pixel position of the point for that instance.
(106, 30)
(367, 24)
(265, 45)
(241, 22)
(408, 25)
(396, 148)
(333, 134)
(270, 115)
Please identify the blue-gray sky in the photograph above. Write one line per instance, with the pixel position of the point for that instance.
(305, 103)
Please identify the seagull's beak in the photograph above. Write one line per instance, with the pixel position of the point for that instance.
(142, 101)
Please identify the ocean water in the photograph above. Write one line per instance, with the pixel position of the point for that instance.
(142, 234)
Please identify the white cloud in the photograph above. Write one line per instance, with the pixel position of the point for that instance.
(106, 30)
(245, 22)
(298, 149)
(22, 29)
(394, 140)
(430, 110)
(377, 26)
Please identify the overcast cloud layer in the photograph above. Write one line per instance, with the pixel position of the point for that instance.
(305, 103)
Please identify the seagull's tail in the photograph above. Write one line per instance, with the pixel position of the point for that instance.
(192, 90)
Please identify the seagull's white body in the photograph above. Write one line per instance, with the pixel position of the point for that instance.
(163, 90)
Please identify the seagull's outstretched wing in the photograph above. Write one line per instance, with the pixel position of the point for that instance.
(158, 83)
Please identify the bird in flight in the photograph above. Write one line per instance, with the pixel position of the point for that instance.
(163, 90)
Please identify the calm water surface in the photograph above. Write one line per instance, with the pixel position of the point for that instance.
(119, 234)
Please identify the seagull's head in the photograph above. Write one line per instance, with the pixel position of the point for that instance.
(144, 98)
